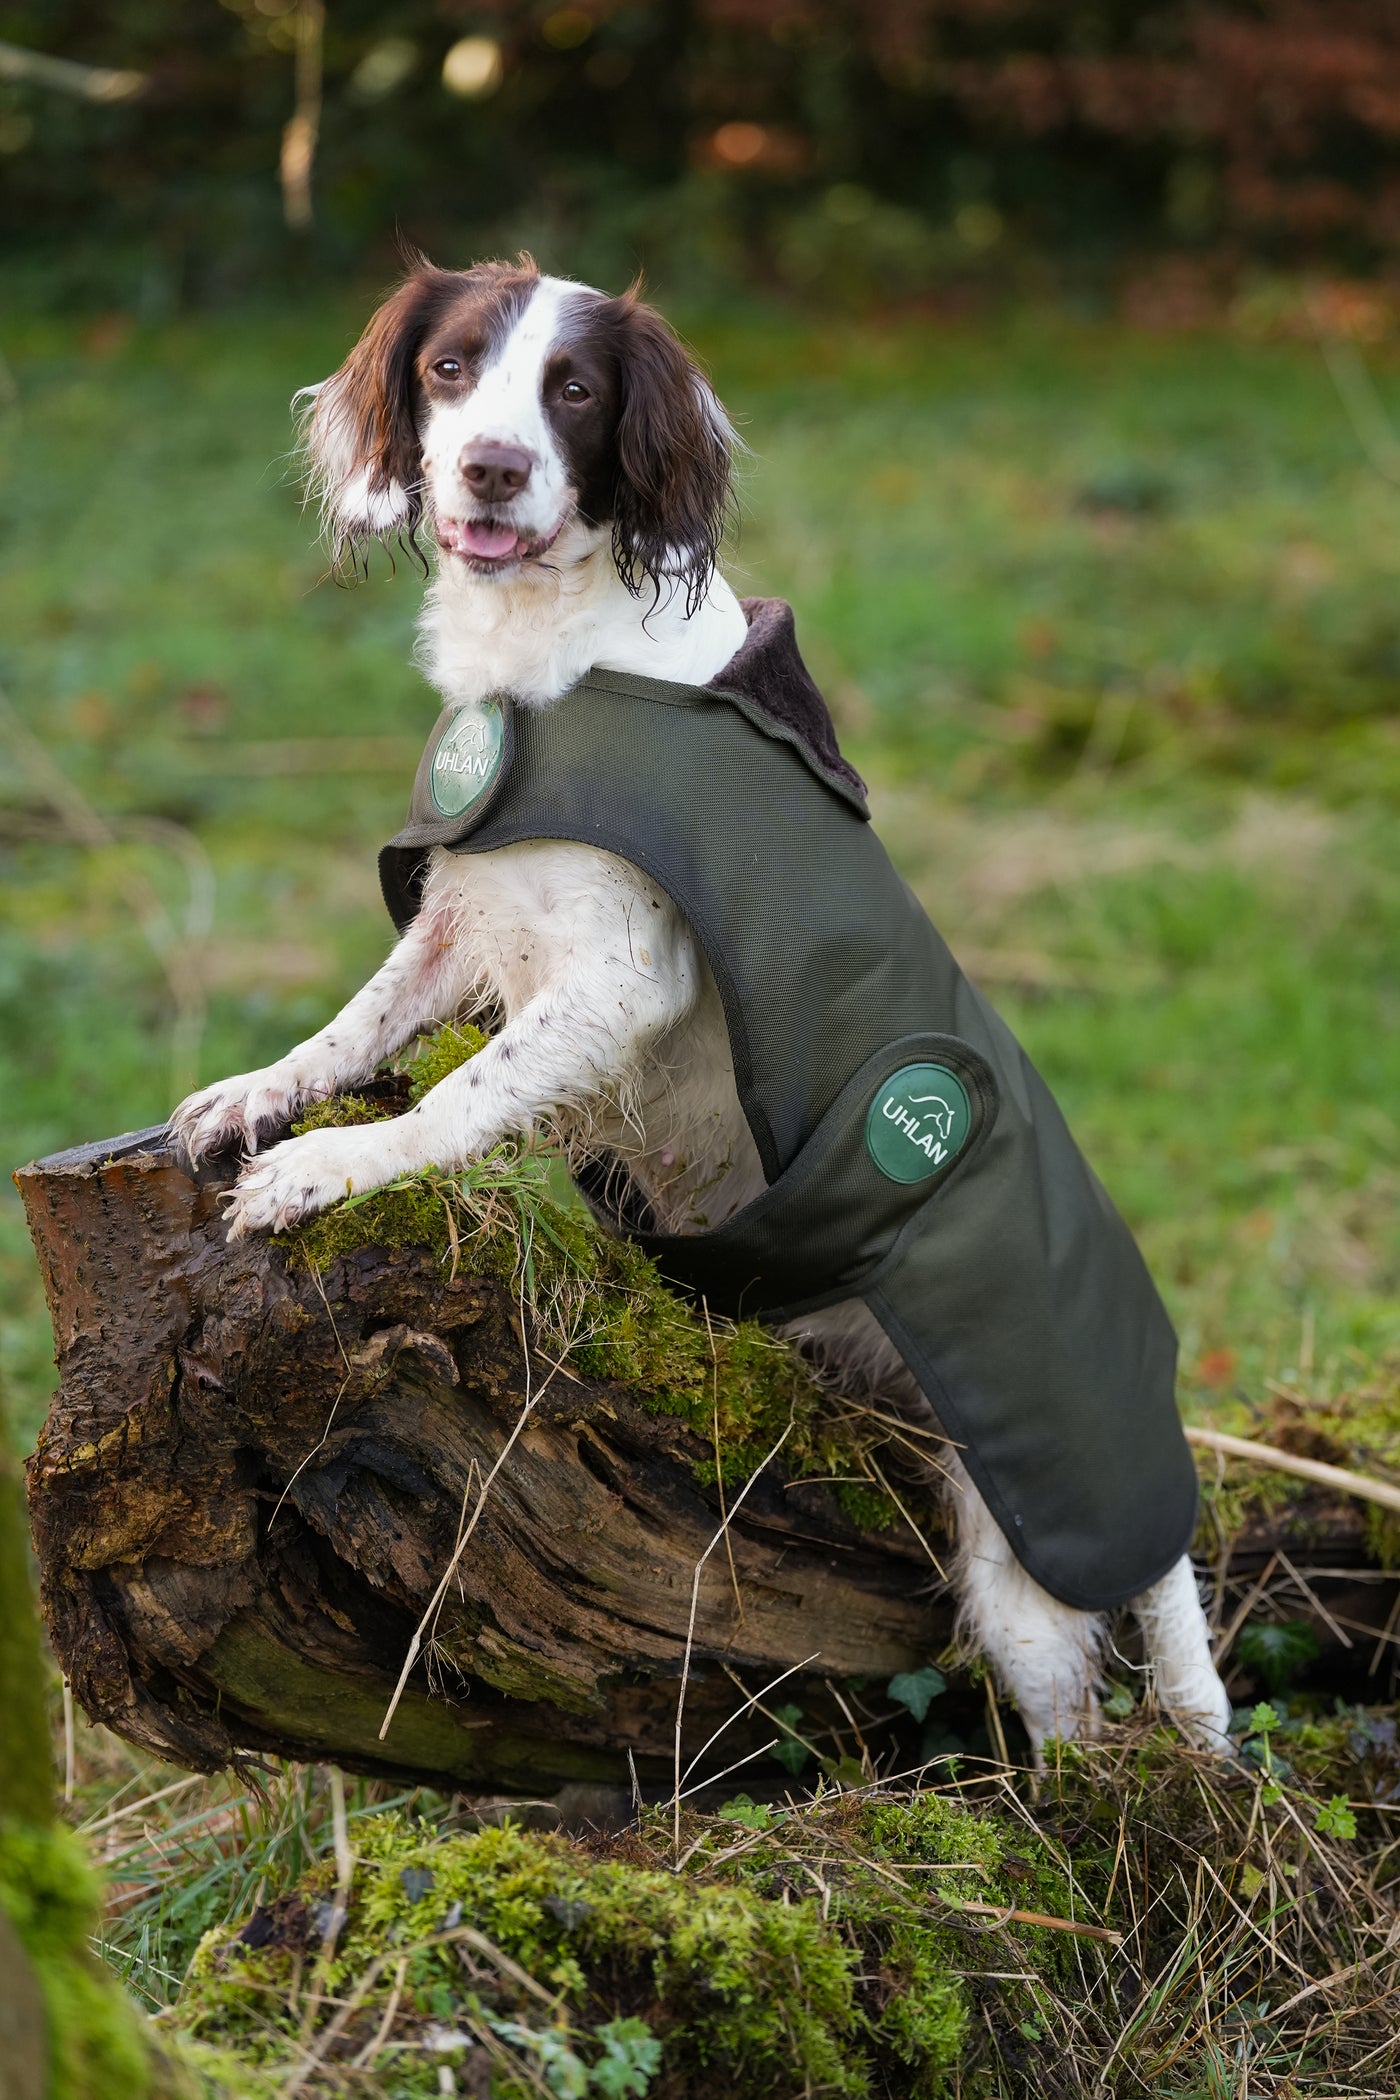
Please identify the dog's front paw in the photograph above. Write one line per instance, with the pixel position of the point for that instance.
(298, 1178)
(239, 1111)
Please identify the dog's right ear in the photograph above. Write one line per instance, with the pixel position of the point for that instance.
(361, 444)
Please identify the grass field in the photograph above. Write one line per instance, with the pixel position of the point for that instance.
(1111, 623)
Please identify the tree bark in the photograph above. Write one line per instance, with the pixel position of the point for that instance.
(253, 1478)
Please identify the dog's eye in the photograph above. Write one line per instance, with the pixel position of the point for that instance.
(575, 391)
(448, 368)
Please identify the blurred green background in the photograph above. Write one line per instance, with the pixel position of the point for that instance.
(1067, 348)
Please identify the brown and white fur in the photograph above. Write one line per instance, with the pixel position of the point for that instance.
(572, 465)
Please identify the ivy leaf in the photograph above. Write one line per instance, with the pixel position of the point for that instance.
(942, 1744)
(916, 1689)
(1336, 1820)
(791, 1753)
(1278, 1652)
(1119, 1704)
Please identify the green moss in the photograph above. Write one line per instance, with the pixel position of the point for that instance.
(733, 1386)
(340, 1112)
(439, 1054)
(98, 2049)
(925, 2020)
(391, 1218)
(869, 1508)
(820, 1956)
(750, 1988)
(937, 1829)
(932, 1828)
(443, 1053)
(341, 1716)
(876, 1945)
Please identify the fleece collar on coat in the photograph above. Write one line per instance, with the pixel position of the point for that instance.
(769, 673)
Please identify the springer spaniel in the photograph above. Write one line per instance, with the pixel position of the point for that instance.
(572, 465)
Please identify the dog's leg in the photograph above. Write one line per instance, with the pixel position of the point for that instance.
(1047, 1655)
(1177, 1643)
(422, 982)
(563, 1050)
(1043, 1653)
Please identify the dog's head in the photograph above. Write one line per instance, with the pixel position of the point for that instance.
(518, 416)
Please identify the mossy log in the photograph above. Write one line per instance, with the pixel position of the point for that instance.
(254, 1475)
(257, 1468)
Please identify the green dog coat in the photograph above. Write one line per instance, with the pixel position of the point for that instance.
(913, 1155)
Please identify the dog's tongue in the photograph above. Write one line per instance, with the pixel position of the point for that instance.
(490, 542)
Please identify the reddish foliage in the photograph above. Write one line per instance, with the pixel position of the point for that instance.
(1295, 104)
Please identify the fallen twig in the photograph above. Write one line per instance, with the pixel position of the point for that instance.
(1004, 1916)
(415, 1646)
(1345, 1483)
(694, 1607)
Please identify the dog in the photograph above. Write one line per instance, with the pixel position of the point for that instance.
(572, 465)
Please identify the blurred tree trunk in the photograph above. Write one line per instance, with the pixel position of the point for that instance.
(26, 1758)
(26, 1785)
(67, 2026)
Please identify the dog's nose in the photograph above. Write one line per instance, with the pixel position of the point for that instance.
(495, 473)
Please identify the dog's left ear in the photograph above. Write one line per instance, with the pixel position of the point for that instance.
(674, 446)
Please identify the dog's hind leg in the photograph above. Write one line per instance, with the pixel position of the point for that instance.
(1047, 1655)
(1044, 1654)
(1177, 1644)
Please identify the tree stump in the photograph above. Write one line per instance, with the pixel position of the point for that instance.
(254, 1476)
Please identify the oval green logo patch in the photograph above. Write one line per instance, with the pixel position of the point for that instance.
(920, 1119)
(468, 757)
